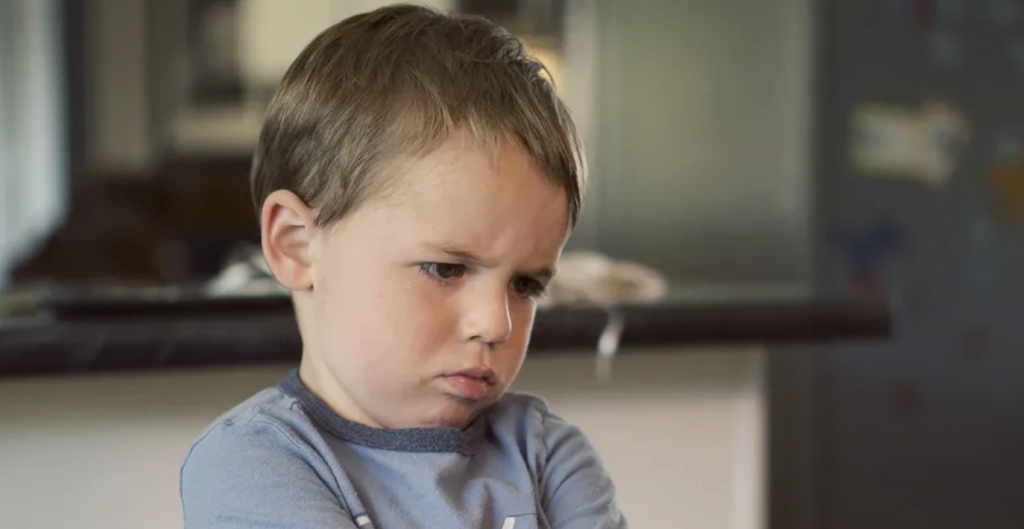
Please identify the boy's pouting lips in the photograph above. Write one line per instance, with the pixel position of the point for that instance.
(416, 308)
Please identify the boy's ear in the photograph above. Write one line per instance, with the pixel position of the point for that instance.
(287, 227)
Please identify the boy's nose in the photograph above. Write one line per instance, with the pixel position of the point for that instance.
(487, 318)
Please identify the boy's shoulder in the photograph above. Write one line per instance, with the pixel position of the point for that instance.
(522, 415)
(270, 407)
(262, 427)
(273, 412)
(520, 403)
(273, 423)
(269, 457)
(516, 407)
(263, 458)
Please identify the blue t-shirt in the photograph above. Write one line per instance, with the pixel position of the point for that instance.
(283, 459)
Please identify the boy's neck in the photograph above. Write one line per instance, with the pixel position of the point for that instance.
(328, 391)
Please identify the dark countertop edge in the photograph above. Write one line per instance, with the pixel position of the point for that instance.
(124, 340)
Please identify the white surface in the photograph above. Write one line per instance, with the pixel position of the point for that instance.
(274, 32)
(33, 164)
(117, 109)
(227, 130)
(682, 435)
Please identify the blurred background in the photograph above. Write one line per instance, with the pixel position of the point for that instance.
(836, 148)
(147, 112)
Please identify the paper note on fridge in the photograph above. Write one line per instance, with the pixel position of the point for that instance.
(919, 143)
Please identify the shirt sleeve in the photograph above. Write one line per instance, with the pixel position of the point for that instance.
(254, 474)
(577, 491)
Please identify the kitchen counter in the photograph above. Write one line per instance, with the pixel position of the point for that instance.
(155, 329)
(691, 380)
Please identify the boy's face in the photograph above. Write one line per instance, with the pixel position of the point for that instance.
(420, 305)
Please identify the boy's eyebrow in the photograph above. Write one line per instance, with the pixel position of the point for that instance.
(542, 273)
(459, 255)
(470, 258)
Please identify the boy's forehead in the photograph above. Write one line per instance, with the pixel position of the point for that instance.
(458, 199)
(463, 168)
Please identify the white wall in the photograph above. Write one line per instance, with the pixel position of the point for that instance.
(117, 103)
(702, 159)
(273, 33)
(682, 435)
(33, 164)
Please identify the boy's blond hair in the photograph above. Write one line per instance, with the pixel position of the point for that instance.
(394, 83)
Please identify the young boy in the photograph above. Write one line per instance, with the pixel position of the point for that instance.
(416, 178)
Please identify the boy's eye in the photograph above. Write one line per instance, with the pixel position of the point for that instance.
(443, 270)
(527, 287)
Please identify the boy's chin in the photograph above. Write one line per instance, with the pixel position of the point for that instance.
(457, 412)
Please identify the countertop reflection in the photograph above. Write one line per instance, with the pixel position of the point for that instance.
(66, 332)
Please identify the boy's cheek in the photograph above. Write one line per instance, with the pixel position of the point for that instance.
(523, 314)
